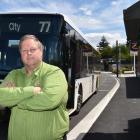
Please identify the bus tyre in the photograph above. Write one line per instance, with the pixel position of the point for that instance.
(79, 101)
(97, 85)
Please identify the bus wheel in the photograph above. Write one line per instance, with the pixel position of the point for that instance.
(97, 86)
(79, 100)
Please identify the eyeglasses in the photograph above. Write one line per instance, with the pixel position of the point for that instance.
(31, 50)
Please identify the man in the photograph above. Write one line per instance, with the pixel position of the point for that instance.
(37, 96)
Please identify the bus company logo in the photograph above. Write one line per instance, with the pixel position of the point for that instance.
(14, 27)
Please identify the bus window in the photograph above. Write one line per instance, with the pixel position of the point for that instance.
(10, 58)
(53, 50)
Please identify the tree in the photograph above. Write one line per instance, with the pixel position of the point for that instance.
(104, 48)
(124, 52)
(103, 43)
(106, 52)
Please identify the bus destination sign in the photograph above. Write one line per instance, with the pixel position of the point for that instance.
(40, 26)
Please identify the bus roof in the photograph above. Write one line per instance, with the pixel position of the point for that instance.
(59, 14)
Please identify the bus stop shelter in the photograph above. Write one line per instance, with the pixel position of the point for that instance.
(132, 22)
(131, 17)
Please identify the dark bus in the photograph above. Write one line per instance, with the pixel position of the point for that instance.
(64, 46)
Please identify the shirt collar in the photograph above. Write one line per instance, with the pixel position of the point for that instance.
(35, 71)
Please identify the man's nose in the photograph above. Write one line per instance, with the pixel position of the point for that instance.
(29, 52)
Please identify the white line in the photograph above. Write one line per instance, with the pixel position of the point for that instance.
(103, 90)
(78, 132)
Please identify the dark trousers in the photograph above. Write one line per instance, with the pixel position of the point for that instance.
(65, 137)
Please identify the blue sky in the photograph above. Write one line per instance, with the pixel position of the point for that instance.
(94, 18)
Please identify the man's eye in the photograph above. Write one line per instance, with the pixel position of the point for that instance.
(33, 50)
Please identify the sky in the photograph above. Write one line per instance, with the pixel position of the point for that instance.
(95, 18)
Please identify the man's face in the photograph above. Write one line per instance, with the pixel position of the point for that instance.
(31, 54)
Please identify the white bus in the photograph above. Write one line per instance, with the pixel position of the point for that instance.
(65, 47)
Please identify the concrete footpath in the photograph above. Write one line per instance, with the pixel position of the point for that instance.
(121, 118)
(109, 84)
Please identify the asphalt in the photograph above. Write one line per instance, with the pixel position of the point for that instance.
(109, 84)
(121, 118)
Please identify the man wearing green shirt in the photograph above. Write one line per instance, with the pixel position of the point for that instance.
(37, 95)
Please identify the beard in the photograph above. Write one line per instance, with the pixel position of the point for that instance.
(31, 61)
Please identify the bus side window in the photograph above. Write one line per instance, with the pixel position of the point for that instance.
(13, 57)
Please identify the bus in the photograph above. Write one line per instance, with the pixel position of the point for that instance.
(64, 46)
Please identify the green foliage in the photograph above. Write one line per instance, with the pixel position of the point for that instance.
(126, 68)
(123, 52)
(106, 52)
(103, 43)
(111, 52)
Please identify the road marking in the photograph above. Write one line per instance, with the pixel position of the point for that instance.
(103, 90)
(78, 132)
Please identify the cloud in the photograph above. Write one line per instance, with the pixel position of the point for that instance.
(86, 11)
(62, 7)
(114, 3)
(105, 17)
(58, 6)
(94, 18)
(86, 23)
(107, 21)
(95, 38)
(8, 5)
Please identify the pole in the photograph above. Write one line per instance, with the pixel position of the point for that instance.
(87, 64)
(120, 56)
(117, 57)
(134, 63)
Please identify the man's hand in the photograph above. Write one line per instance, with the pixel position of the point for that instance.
(8, 84)
(37, 90)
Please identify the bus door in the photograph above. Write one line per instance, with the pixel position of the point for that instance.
(69, 69)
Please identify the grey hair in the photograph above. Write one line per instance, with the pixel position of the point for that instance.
(27, 36)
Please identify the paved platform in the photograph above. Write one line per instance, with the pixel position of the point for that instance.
(121, 118)
(108, 87)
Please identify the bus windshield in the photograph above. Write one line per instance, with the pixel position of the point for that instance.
(10, 56)
(13, 28)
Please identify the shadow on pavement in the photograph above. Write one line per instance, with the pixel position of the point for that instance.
(132, 87)
(112, 136)
(134, 126)
(132, 133)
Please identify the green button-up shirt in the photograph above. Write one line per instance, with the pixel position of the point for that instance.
(36, 117)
